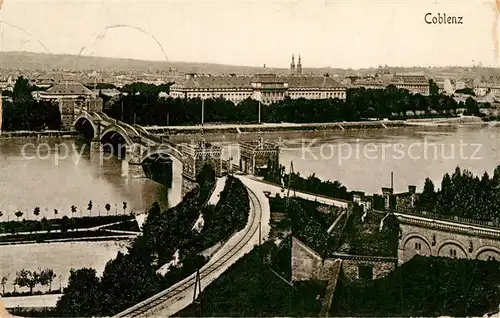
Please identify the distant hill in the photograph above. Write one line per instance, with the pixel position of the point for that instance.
(41, 61)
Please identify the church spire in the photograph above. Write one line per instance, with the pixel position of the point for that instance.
(299, 66)
(292, 65)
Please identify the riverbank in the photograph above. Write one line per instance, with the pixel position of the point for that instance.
(271, 127)
(239, 129)
(266, 127)
(38, 134)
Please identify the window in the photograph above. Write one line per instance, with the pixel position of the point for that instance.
(418, 246)
(453, 252)
(365, 272)
(491, 258)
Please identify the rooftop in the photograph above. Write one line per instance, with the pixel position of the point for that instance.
(68, 89)
(409, 79)
(245, 82)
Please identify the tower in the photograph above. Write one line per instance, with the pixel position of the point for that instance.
(292, 65)
(299, 66)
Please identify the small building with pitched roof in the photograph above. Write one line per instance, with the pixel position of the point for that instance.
(70, 97)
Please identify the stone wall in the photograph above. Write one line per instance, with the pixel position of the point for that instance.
(67, 108)
(136, 171)
(187, 186)
(432, 238)
(307, 264)
(380, 267)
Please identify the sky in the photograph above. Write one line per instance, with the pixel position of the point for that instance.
(343, 34)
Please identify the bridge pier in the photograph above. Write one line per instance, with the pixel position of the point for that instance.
(136, 170)
(95, 145)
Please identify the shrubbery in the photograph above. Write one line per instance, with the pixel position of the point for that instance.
(62, 224)
(131, 277)
(250, 289)
(424, 286)
(464, 195)
(228, 216)
(312, 184)
(308, 224)
(147, 108)
(25, 113)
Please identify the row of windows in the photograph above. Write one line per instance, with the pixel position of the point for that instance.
(230, 95)
(245, 95)
(307, 93)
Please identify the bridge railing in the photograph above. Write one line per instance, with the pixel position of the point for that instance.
(452, 218)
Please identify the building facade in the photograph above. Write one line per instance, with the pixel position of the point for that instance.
(411, 82)
(266, 88)
(487, 86)
(428, 236)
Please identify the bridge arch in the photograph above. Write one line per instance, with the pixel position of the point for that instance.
(114, 130)
(86, 126)
(456, 249)
(488, 252)
(162, 151)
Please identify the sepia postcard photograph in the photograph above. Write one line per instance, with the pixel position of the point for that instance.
(249, 158)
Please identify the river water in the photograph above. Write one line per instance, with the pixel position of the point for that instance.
(56, 174)
(364, 159)
(60, 173)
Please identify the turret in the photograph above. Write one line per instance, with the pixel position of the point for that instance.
(292, 65)
(387, 194)
(299, 66)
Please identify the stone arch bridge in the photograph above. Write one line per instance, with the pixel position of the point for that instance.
(135, 147)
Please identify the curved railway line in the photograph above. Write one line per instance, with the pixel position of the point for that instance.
(155, 304)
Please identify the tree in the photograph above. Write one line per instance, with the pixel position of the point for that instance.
(4, 282)
(1, 214)
(25, 278)
(124, 207)
(433, 88)
(472, 107)
(46, 277)
(21, 94)
(36, 212)
(427, 199)
(44, 224)
(107, 207)
(56, 212)
(89, 208)
(73, 210)
(18, 214)
(82, 297)
(65, 224)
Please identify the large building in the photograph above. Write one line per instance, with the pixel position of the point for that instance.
(415, 83)
(487, 86)
(267, 88)
(71, 97)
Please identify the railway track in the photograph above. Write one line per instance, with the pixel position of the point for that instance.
(160, 301)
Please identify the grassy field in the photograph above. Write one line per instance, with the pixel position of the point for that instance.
(60, 257)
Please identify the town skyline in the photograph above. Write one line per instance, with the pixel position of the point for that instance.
(286, 68)
(325, 33)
